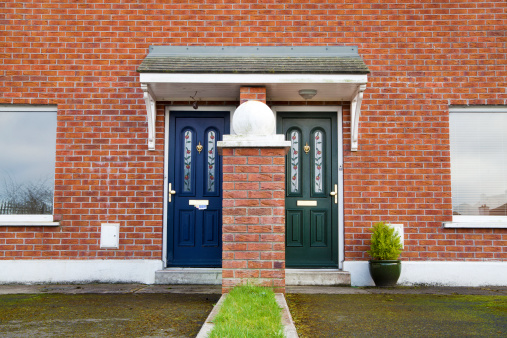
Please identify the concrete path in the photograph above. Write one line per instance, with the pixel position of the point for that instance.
(217, 289)
(402, 290)
(109, 288)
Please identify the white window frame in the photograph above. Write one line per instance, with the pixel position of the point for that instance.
(463, 221)
(28, 220)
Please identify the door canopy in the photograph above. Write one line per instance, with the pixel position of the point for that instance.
(216, 73)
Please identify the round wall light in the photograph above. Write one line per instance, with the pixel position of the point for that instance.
(307, 94)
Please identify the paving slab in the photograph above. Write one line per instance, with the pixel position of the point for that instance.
(187, 289)
(435, 290)
(105, 288)
(92, 288)
(408, 290)
(19, 289)
(330, 290)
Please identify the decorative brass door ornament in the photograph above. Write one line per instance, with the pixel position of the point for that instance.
(306, 148)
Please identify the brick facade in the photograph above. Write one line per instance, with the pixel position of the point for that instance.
(82, 56)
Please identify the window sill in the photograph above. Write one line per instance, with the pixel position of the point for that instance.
(475, 225)
(28, 224)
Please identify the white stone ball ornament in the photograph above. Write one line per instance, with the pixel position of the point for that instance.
(253, 118)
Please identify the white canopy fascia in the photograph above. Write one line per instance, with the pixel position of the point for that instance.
(225, 87)
(251, 79)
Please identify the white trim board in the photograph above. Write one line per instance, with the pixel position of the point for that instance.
(478, 109)
(79, 271)
(28, 108)
(437, 273)
(252, 79)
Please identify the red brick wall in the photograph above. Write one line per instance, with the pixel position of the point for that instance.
(423, 56)
(254, 217)
(252, 93)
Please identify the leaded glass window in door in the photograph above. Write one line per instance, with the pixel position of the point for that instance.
(211, 135)
(318, 161)
(187, 161)
(295, 161)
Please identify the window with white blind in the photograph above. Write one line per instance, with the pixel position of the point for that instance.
(478, 141)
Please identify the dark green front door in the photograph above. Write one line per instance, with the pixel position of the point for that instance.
(311, 176)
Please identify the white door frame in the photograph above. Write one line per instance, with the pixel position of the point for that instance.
(338, 110)
(167, 113)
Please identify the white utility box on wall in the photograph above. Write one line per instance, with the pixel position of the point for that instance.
(110, 235)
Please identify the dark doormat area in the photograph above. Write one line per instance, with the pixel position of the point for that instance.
(388, 315)
(104, 315)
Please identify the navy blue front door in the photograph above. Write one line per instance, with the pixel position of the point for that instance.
(195, 194)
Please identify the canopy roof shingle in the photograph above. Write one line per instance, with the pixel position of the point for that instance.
(254, 60)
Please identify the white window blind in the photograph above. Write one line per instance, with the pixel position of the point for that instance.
(478, 141)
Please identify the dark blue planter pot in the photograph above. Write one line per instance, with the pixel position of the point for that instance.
(385, 273)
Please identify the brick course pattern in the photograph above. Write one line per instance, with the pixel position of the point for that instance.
(252, 93)
(253, 217)
(82, 56)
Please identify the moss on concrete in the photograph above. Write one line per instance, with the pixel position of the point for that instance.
(104, 315)
(398, 315)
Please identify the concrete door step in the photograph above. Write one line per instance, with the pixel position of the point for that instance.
(213, 276)
(207, 276)
(330, 277)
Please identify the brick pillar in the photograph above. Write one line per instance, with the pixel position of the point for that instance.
(254, 197)
(252, 93)
(254, 217)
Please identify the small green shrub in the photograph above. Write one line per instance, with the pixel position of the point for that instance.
(385, 242)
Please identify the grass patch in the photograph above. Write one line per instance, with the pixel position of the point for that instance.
(249, 311)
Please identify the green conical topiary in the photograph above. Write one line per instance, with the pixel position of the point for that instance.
(385, 243)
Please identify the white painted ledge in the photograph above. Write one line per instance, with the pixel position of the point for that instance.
(437, 273)
(29, 224)
(475, 225)
(79, 271)
(253, 141)
(28, 221)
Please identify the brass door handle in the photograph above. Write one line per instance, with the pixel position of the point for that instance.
(335, 193)
(171, 192)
